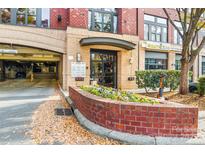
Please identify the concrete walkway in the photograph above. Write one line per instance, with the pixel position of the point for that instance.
(18, 100)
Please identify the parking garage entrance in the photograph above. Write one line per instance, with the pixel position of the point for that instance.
(24, 70)
(29, 63)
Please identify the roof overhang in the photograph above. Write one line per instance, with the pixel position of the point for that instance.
(107, 41)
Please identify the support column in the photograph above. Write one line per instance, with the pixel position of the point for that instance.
(195, 69)
(2, 71)
(171, 60)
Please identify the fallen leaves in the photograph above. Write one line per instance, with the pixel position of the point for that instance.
(48, 128)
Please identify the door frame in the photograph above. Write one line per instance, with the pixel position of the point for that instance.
(110, 52)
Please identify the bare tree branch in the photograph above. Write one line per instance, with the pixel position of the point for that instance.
(180, 19)
(171, 21)
(196, 52)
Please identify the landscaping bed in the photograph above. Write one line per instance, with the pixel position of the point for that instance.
(114, 94)
(189, 99)
(140, 118)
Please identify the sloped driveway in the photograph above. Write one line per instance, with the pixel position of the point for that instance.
(18, 100)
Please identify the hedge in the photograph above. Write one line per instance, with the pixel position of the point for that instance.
(149, 79)
(201, 86)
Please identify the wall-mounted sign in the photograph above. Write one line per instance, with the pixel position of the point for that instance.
(8, 51)
(160, 46)
(78, 69)
(70, 57)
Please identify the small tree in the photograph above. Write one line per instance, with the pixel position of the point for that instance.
(192, 23)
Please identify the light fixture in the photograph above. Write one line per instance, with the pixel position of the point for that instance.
(78, 57)
(131, 60)
(59, 18)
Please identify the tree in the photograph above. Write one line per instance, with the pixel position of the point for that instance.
(191, 23)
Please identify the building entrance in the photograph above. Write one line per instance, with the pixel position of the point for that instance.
(103, 67)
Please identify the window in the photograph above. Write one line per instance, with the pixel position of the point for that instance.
(103, 20)
(155, 28)
(155, 60)
(177, 37)
(5, 15)
(45, 17)
(178, 62)
(26, 16)
(203, 65)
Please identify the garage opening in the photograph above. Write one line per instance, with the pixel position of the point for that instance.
(25, 69)
(22, 62)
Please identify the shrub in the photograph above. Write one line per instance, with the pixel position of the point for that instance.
(149, 79)
(201, 86)
(117, 94)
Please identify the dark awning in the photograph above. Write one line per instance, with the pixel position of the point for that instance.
(107, 41)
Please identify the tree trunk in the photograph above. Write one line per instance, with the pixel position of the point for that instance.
(184, 78)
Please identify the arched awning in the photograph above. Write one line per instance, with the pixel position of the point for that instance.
(107, 41)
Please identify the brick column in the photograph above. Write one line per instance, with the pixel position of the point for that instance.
(127, 21)
(78, 17)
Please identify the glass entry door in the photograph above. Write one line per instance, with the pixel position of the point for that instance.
(103, 67)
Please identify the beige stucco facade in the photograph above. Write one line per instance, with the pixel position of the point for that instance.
(127, 62)
(62, 46)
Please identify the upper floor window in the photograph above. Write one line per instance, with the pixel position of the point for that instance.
(26, 16)
(103, 20)
(203, 65)
(5, 15)
(178, 62)
(45, 17)
(155, 28)
(177, 37)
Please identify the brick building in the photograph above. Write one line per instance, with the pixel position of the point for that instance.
(81, 46)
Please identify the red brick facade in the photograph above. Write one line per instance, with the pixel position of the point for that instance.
(127, 21)
(155, 12)
(130, 20)
(154, 120)
(54, 23)
(78, 18)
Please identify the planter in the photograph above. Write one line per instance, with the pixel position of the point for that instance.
(165, 119)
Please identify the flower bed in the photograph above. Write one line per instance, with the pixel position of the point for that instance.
(117, 94)
(163, 119)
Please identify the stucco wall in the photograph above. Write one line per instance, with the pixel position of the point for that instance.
(48, 39)
(125, 69)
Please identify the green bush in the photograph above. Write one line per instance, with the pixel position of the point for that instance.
(149, 79)
(117, 94)
(201, 86)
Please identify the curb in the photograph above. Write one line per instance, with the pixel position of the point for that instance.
(130, 138)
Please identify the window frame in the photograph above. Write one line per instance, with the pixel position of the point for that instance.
(156, 25)
(203, 67)
(178, 36)
(1, 10)
(26, 15)
(147, 64)
(103, 12)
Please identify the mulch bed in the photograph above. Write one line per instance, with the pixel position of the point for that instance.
(48, 128)
(189, 99)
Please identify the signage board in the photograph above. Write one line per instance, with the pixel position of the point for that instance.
(78, 69)
(160, 46)
(8, 51)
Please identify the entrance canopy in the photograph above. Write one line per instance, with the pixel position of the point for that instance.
(107, 41)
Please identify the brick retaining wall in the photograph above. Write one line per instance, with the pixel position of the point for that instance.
(166, 119)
